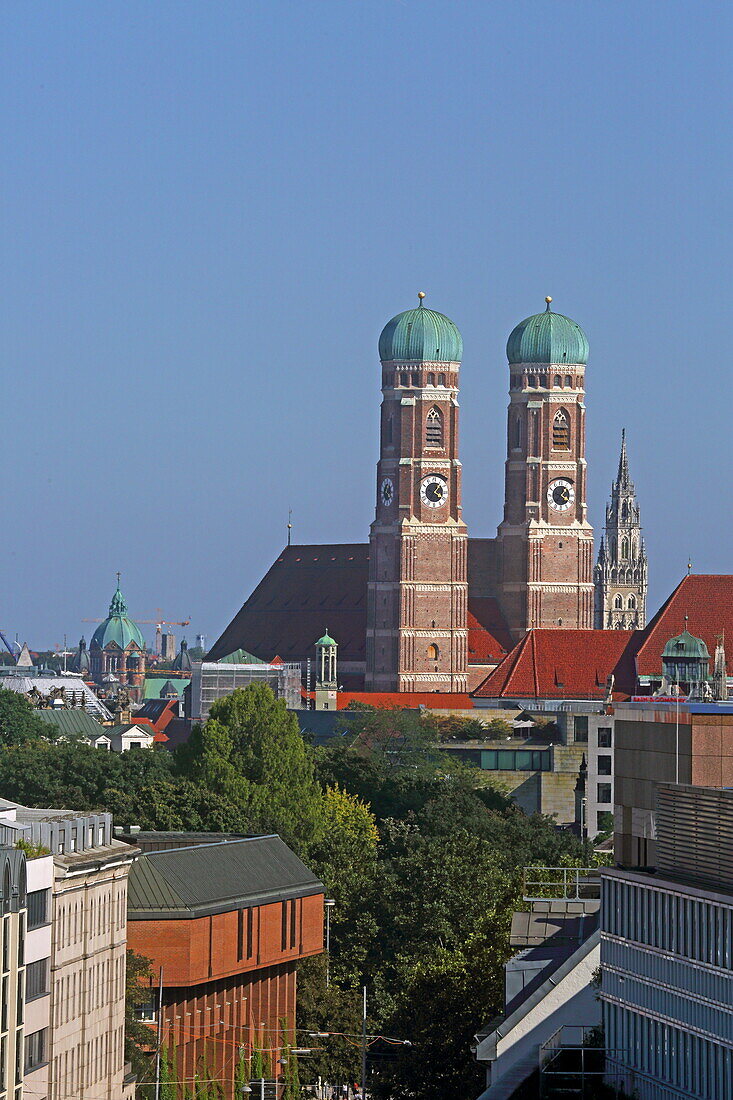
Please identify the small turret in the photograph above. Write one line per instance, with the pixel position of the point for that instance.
(326, 673)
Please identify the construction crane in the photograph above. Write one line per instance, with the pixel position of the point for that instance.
(158, 623)
(13, 652)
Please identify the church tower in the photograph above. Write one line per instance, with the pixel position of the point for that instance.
(417, 593)
(621, 573)
(545, 542)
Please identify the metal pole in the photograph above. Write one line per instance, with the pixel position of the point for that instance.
(262, 1088)
(364, 1046)
(677, 737)
(328, 946)
(160, 1035)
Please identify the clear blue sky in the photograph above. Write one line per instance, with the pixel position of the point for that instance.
(211, 209)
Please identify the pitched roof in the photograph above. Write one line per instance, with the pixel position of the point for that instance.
(71, 721)
(707, 600)
(153, 684)
(311, 586)
(564, 664)
(305, 587)
(215, 878)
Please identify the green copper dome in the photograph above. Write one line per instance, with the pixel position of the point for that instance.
(686, 645)
(547, 338)
(421, 335)
(117, 627)
(326, 639)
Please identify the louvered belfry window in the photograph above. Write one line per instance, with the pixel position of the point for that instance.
(561, 432)
(434, 428)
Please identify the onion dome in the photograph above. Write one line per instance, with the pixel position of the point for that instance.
(686, 645)
(548, 338)
(421, 336)
(80, 661)
(182, 660)
(117, 627)
(326, 639)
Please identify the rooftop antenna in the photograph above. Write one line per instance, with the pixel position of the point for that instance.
(290, 525)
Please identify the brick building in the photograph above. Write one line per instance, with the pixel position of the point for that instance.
(424, 607)
(227, 923)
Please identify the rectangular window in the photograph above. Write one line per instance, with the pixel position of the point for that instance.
(6, 944)
(73, 840)
(523, 761)
(580, 729)
(101, 836)
(292, 923)
(240, 933)
(19, 1003)
(250, 932)
(505, 760)
(37, 908)
(604, 765)
(283, 925)
(4, 1008)
(604, 792)
(36, 979)
(604, 737)
(35, 1049)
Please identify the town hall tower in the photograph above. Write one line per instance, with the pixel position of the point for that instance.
(417, 588)
(545, 542)
(621, 571)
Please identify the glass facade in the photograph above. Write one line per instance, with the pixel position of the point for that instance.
(516, 760)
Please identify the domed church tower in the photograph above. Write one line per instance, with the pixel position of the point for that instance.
(117, 648)
(545, 542)
(417, 590)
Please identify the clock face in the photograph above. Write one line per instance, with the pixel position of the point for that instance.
(561, 494)
(434, 491)
(386, 491)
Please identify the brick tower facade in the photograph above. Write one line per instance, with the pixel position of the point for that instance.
(545, 542)
(417, 590)
(621, 571)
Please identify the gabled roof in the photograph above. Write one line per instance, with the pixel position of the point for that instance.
(215, 878)
(707, 600)
(563, 664)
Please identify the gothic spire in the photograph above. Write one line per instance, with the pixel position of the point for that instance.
(623, 463)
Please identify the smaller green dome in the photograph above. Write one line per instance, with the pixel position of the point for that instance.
(686, 645)
(548, 338)
(421, 335)
(117, 627)
(326, 639)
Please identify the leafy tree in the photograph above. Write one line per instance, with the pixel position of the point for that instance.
(19, 721)
(251, 751)
(138, 1036)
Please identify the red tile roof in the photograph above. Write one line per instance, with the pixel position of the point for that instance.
(707, 600)
(563, 664)
(488, 635)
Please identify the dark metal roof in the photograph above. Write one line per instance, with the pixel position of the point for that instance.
(214, 878)
(72, 721)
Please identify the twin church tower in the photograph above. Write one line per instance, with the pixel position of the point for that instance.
(424, 571)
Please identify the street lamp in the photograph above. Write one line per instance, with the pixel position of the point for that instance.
(328, 905)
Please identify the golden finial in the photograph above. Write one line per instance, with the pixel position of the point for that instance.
(548, 299)
(421, 295)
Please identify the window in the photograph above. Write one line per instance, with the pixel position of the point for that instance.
(604, 737)
(624, 548)
(404, 378)
(136, 744)
(518, 432)
(431, 379)
(604, 792)
(433, 652)
(561, 432)
(632, 603)
(240, 933)
(36, 979)
(283, 925)
(580, 729)
(292, 923)
(35, 1049)
(441, 379)
(618, 603)
(250, 932)
(604, 765)
(415, 378)
(101, 834)
(73, 839)
(557, 380)
(37, 908)
(568, 380)
(434, 429)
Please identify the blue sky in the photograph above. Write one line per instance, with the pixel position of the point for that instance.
(211, 209)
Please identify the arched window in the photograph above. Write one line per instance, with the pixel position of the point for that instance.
(404, 378)
(518, 432)
(624, 548)
(431, 379)
(433, 652)
(416, 378)
(624, 512)
(561, 432)
(441, 379)
(568, 380)
(618, 603)
(434, 428)
(632, 603)
(557, 380)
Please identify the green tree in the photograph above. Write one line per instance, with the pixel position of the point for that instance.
(19, 721)
(251, 751)
(138, 991)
